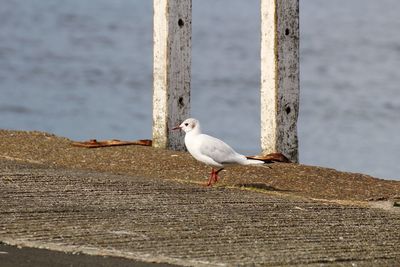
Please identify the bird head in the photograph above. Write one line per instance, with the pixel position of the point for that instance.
(188, 125)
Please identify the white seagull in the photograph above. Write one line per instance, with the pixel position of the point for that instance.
(210, 150)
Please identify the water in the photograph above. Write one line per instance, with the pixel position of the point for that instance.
(83, 69)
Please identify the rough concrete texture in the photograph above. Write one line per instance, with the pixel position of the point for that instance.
(291, 179)
(49, 200)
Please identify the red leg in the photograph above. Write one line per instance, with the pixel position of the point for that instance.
(212, 176)
(216, 175)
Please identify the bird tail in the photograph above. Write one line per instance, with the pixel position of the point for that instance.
(270, 158)
(253, 162)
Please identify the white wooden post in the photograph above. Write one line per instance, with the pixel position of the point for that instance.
(171, 70)
(280, 76)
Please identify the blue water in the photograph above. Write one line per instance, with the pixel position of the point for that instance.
(83, 69)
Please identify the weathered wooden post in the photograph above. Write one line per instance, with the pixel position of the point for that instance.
(171, 70)
(280, 76)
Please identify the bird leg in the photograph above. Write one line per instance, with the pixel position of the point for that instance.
(209, 183)
(214, 176)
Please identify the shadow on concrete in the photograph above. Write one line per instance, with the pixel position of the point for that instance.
(12, 256)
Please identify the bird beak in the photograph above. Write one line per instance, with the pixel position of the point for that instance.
(176, 128)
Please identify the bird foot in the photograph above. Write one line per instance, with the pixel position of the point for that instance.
(213, 177)
(209, 182)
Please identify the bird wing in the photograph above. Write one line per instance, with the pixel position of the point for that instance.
(218, 150)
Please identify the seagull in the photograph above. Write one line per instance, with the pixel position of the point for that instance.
(210, 150)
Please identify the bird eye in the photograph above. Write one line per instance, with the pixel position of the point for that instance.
(186, 124)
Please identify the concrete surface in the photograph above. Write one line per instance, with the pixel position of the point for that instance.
(158, 220)
(52, 203)
(292, 179)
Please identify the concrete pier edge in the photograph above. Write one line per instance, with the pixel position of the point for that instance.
(150, 205)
